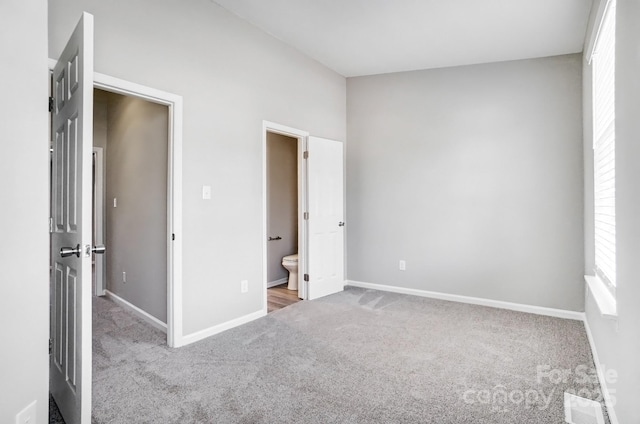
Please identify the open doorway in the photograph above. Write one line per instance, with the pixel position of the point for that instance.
(130, 203)
(173, 243)
(282, 220)
(284, 207)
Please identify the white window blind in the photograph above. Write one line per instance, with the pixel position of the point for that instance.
(603, 61)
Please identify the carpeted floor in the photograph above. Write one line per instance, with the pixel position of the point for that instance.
(360, 356)
(54, 412)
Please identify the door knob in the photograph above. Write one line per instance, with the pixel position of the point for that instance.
(69, 251)
(99, 249)
(340, 224)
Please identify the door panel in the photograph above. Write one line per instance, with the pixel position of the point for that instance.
(326, 213)
(70, 370)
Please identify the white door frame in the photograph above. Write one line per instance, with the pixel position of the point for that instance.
(301, 136)
(98, 219)
(173, 102)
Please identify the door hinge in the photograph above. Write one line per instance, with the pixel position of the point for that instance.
(50, 346)
(51, 224)
(306, 277)
(51, 100)
(306, 215)
(305, 155)
(173, 237)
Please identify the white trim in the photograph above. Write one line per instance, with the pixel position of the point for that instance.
(283, 129)
(155, 322)
(592, 38)
(303, 225)
(277, 282)
(603, 297)
(606, 394)
(538, 310)
(273, 127)
(208, 332)
(99, 217)
(174, 187)
(174, 313)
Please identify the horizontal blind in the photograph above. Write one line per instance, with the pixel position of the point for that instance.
(604, 147)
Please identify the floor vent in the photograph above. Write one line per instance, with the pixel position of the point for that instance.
(578, 410)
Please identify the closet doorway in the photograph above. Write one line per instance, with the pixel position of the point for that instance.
(130, 203)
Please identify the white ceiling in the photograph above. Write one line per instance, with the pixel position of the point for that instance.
(365, 37)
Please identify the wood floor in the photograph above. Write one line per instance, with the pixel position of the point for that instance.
(279, 296)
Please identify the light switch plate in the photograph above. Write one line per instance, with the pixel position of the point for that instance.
(206, 192)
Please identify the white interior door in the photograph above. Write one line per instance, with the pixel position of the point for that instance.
(70, 365)
(326, 217)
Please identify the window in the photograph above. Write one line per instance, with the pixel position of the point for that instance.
(604, 137)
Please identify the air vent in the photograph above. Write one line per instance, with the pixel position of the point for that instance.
(578, 410)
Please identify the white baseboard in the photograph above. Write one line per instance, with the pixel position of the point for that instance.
(208, 332)
(606, 394)
(277, 282)
(155, 322)
(538, 310)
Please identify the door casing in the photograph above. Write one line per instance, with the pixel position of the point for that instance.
(98, 219)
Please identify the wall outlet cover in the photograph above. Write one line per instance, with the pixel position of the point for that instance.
(578, 410)
(27, 415)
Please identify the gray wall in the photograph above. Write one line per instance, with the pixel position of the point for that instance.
(136, 174)
(24, 251)
(282, 202)
(100, 105)
(232, 76)
(618, 345)
(473, 175)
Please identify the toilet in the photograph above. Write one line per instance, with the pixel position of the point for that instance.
(291, 264)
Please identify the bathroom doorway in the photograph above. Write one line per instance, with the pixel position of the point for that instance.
(284, 206)
(320, 216)
(282, 220)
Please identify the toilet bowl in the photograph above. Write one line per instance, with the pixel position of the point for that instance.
(291, 264)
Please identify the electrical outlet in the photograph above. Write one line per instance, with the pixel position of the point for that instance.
(27, 415)
(244, 286)
(402, 265)
(124, 277)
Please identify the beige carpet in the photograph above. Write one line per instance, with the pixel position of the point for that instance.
(360, 356)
